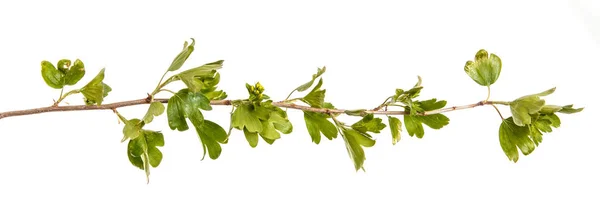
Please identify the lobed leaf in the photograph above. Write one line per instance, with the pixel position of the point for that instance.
(156, 109)
(521, 108)
(142, 151)
(182, 56)
(317, 123)
(369, 123)
(52, 76)
(485, 70)
(307, 85)
(96, 90)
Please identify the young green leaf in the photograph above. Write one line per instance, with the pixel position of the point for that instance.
(95, 90)
(156, 108)
(317, 123)
(413, 126)
(186, 104)
(251, 137)
(211, 136)
(52, 76)
(522, 107)
(369, 123)
(63, 65)
(75, 73)
(245, 117)
(182, 56)
(202, 77)
(355, 141)
(132, 129)
(512, 137)
(485, 70)
(316, 96)
(395, 128)
(143, 152)
(307, 85)
(276, 123)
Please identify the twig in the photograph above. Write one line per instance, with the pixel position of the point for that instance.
(282, 104)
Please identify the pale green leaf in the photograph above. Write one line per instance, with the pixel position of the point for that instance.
(485, 70)
(395, 128)
(156, 108)
(182, 56)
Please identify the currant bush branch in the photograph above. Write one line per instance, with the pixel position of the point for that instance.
(260, 116)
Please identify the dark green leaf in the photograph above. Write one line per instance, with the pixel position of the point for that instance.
(522, 107)
(307, 85)
(156, 109)
(211, 135)
(75, 73)
(182, 56)
(186, 104)
(52, 76)
(317, 123)
(142, 151)
(95, 90)
(369, 123)
(485, 70)
(63, 65)
(395, 128)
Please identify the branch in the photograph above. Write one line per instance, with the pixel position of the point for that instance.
(282, 104)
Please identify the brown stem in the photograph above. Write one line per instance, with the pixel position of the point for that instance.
(281, 104)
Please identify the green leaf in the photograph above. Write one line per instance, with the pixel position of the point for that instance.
(143, 152)
(251, 137)
(277, 122)
(315, 97)
(201, 78)
(132, 129)
(156, 109)
(568, 109)
(211, 135)
(317, 123)
(512, 137)
(354, 143)
(182, 56)
(395, 128)
(413, 126)
(52, 76)
(186, 104)
(63, 65)
(245, 117)
(522, 107)
(369, 123)
(75, 73)
(431, 104)
(435, 121)
(485, 70)
(307, 85)
(95, 90)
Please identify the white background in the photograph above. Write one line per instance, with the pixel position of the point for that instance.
(74, 160)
